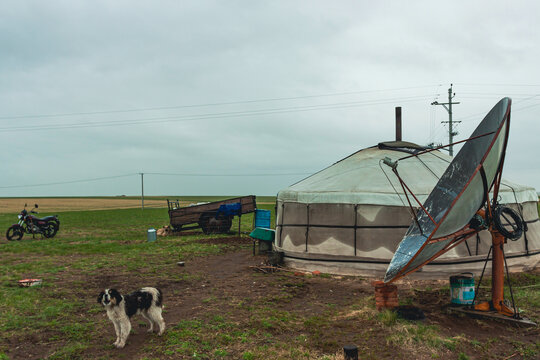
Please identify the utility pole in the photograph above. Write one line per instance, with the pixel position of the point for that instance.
(142, 191)
(451, 132)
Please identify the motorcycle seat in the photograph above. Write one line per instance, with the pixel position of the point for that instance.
(46, 218)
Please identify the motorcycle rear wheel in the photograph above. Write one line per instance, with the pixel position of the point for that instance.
(50, 230)
(56, 224)
(14, 233)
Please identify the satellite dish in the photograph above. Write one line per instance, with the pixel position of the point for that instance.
(459, 206)
(443, 219)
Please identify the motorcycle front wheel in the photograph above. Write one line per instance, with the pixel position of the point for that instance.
(50, 230)
(14, 233)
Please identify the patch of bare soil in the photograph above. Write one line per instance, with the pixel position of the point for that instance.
(231, 279)
(226, 240)
(51, 205)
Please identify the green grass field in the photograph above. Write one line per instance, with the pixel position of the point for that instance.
(247, 315)
(88, 242)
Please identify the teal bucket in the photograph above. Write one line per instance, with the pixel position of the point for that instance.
(462, 289)
(152, 236)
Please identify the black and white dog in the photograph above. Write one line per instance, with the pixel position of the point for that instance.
(120, 308)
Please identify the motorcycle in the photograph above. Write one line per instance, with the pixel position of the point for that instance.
(30, 224)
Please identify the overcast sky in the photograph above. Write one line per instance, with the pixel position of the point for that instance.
(110, 89)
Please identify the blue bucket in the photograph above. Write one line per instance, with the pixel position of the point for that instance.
(152, 236)
(462, 289)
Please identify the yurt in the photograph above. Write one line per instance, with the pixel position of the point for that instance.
(350, 217)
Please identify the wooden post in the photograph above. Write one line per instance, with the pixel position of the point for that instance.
(239, 224)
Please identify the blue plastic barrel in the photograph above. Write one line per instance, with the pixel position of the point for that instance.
(262, 218)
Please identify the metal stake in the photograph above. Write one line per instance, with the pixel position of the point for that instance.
(142, 191)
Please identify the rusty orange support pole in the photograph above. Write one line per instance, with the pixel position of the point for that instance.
(497, 278)
(497, 271)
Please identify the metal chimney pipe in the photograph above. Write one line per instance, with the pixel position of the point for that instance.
(398, 123)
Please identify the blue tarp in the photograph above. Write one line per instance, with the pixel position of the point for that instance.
(229, 209)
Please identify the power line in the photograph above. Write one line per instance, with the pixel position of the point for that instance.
(157, 173)
(67, 182)
(526, 107)
(210, 104)
(514, 108)
(498, 94)
(229, 175)
(516, 85)
(209, 116)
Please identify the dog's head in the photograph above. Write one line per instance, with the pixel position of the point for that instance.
(109, 297)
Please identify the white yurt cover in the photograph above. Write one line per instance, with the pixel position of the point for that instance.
(350, 217)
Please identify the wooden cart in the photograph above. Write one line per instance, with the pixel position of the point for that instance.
(212, 217)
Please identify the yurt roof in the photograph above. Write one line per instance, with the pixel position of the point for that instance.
(362, 178)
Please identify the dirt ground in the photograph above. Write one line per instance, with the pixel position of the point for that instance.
(51, 205)
(231, 276)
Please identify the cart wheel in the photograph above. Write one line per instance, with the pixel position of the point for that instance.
(204, 222)
(213, 225)
(225, 225)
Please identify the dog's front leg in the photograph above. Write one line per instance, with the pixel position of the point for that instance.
(125, 328)
(117, 331)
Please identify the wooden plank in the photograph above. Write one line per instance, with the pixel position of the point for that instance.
(493, 315)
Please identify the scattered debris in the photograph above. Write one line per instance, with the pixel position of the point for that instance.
(316, 272)
(275, 258)
(180, 263)
(164, 231)
(511, 356)
(30, 282)
(267, 269)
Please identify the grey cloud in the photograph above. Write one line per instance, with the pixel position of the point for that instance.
(65, 56)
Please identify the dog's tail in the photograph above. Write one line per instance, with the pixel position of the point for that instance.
(157, 295)
(159, 300)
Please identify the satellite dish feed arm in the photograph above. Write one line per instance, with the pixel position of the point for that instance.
(458, 236)
(407, 189)
(393, 165)
(443, 146)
